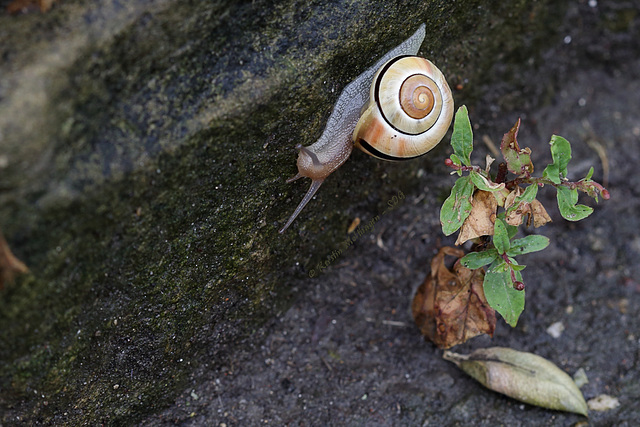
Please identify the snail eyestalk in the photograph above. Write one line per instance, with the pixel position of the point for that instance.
(383, 128)
(315, 185)
(309, 153)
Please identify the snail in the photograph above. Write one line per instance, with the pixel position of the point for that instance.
(398, 109)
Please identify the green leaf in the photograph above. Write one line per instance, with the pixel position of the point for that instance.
(589, 174)
(561, 154)
(567, 199)
(522, 376)
(527, 245)
(518, 160)
(552, 173)
(500, 294)
(475, 260)
(457, 207)
(462, 137)
(512, 230)
(483, 183)
(500, 266)
(528, 196)
(500, 236)
(517, 267)
(456, 161)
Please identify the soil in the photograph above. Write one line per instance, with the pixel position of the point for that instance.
(348, 353)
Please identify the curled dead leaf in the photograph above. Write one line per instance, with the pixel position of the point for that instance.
(531, 211)
(10, 266)
(539, 214)
(518, 159)
(24, 6)
(480, 221)
(354, 224)
(450, 307)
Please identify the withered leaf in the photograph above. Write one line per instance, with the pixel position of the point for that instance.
(10, 266)
(518, 160)
(23, 6)
(539, 213)
(518, 210)
(450, 307)
(481, 219)
(523, 376)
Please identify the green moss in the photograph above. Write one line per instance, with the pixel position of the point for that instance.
(151, 230)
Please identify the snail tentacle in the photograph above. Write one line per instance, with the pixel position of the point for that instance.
(315, 185)
(293, 178)
(311, 154)
(396, 110)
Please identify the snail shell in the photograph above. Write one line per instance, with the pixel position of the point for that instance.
(370, 113)
(409, 111)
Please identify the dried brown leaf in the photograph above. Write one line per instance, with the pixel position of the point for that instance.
(540, 215)
(354, 224)
(512, 196)
(10, 266)
(24, 6)
(533, 210)
(450, 307)
(45, 5)
(481, 220)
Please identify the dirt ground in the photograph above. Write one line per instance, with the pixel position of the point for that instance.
(348, 353)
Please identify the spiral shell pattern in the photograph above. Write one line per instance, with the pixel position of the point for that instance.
(409, 111)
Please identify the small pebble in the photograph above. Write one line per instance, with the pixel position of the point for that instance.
(556, 329)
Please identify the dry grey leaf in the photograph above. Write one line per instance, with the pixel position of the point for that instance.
(523, 376)
(580, 378)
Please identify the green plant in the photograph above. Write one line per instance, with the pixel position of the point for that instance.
(489, 209)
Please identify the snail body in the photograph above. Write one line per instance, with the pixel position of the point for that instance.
(398, 109)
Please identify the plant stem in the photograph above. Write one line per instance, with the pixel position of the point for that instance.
(592, 188)
(518, 285)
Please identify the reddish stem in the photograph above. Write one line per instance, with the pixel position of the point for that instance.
(517, 285)
(502, 173)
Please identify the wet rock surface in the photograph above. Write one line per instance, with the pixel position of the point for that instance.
(142, 183)
(347, 352)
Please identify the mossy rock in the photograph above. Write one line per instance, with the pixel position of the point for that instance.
(143, 150)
